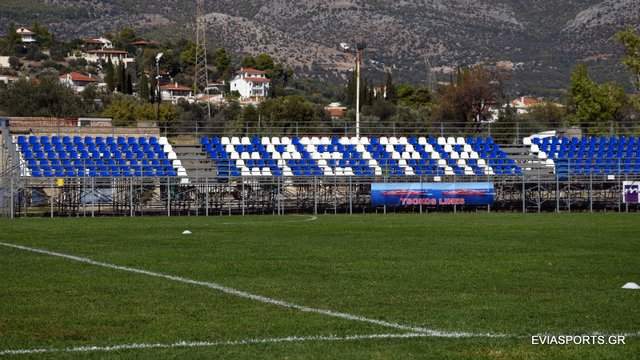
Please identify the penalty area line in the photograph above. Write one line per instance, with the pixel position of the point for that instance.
(204, 344)
(254, 297)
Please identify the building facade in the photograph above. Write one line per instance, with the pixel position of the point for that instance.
(251, 84)
(175, 92)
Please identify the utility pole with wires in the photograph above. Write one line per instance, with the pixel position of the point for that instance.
(201, 78)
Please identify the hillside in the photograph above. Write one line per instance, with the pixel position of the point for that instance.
(547, 37)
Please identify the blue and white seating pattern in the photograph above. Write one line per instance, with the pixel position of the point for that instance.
(66, 156)
(599, 155)
(384, 156)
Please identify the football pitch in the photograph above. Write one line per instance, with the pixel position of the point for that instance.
(466, 286)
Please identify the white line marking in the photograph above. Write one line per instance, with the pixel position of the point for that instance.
(254, 297)
(200, 344)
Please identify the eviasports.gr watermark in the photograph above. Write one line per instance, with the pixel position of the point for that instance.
(578, 340)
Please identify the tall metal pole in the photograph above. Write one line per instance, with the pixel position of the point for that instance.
(590, 192)
(524, 197)
(11, 200)
(242, 195)
(206, 189)
(168, 197)
(315, 195)
(51, 198)
(93, 196)
(358, 61)
(350, 198)
(201, 78)
(360, 46)
(131, 197)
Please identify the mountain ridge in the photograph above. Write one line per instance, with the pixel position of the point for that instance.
(546, 37)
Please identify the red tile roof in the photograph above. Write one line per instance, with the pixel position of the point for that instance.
(175, 87)
(108, 51)
(76, 76)
(252, 71)
(143, 43)
(526, 101)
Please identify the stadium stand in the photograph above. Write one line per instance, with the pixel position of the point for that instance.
(375, 156)
(66, 156)
(603, 155)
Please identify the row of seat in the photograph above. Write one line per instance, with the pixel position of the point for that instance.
(66, 156)
(598, 155)
(121, 140)
(404, 156)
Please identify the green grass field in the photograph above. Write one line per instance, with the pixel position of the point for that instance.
(478, 274)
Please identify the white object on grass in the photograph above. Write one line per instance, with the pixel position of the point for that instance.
(186, 232)
(631, 286)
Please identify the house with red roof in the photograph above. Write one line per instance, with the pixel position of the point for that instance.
(251, 84)
(78, 82)
(26, 36)
(175, 92)
(98, 43)
(524, 104)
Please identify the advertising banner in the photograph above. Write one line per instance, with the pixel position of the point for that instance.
(631, 191)
(432, 194)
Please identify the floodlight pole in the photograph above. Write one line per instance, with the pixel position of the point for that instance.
(158, 92)
(359, 52)
(358, 94)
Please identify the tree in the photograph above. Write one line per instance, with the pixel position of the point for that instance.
(110, 76)
(128, 88)
(468, 100)
(46, 97)
(12, 39)
(127, 111)
(290, 112)
(121, 78)
(143, 88)
(264, 62)
(390, 87)
(188, 55)
(124, 38)
(504, 130)
(630, 39)
(592, 106)
(248, 61)
(222, 62)
(15, 63)
(546, 115)
(42, 35)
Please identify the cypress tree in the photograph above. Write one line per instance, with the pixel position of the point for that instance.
(143, 88)
(110, 76)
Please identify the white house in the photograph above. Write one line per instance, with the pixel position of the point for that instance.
(76, 81)
(251, 84)
(116, 56)
(175, 92)
(4, 62)
(27, 36)
(7, 79)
